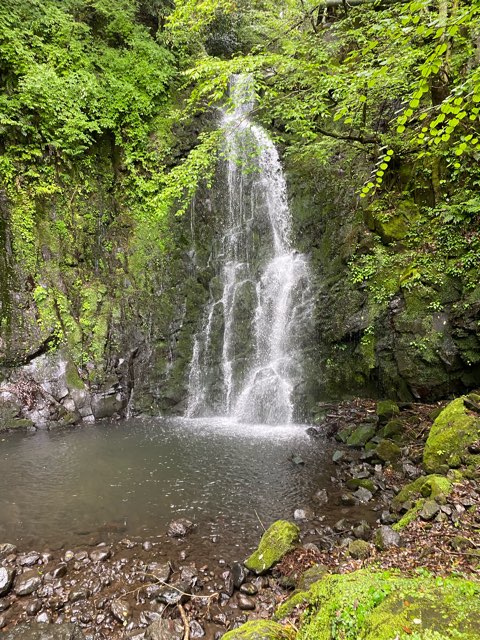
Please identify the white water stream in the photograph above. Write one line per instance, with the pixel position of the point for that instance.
(265, 299)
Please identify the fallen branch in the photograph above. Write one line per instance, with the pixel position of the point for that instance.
(186, 626)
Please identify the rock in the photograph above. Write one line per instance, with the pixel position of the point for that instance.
(120, 610)
(33, 607)
(245, 603)
(450, 436)
(260, 630)
(6, 549)
(356, 483)
(249, 589)
(196, 629)
(347, 499)
(429, 510)
(386, 537)
(43, 618)
(321, 497)
(310, 576)
(27, 583)
(100, 554)
(165, 630)
(386, 410)
(388, 451)
(361, 435)
(386, 517)
(77, 595)
(297, 459)
(228, 580)
(174, 593)
(6, 580)
(303, 514)
(37, 631)
(159, 571)
(338, 456)
(279, 539)
(313, 433)
(179, 528)
(363, 495)
(394, 429)
(432, 486)
(359, 549)
(362, 531)
(59, 571)
(239, 574)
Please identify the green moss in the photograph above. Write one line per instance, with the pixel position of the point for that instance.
(386, 410)
(361, 435)
(279, 539)
(382, 606)
(73, 379)
(450, 435)
(388, 451)
(260, 630)
(431, 486)
(410, 516)
(366, 483)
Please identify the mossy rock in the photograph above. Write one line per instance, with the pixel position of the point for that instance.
(372, 605)
(450, 436)
(359, 549)
(260, 630)
(386, 410)
(312, 575)
(279, 539)
(361, 435)
(366, 483)
(388, 451)
(432, 486)
(394, 429)
(409, 516)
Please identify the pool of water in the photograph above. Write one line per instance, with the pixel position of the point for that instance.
(133, 477)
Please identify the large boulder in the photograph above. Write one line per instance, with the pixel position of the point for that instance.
(278, 540)
(450, 437)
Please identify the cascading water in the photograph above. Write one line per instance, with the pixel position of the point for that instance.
(245, 360)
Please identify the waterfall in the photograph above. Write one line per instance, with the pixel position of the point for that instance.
(245, 361)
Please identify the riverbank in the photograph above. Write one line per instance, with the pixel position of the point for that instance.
(425, 524)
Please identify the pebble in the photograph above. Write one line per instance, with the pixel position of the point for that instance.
(27, 583)
(100, 555)
(43, 618)
(33, 607)
(245, 603)
(120, 610)
(239, 574)
(196, 629)
(179, 528)
(249, 589)
(59, 571)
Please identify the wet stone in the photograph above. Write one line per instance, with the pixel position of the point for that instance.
(363, 495)
(29, 559)
(159, 571)
(147, 545)
(78, 595)
(27, 583)
(386, 537)
(165, 630)
(228, 580)
(239, 574)
(120, 610)
(69, 555)
(100, 555)
(429, 510)
(7, 549)
(321, 496)
(33, 607)
(179, 528)
(196, 630)
(4, 605)
(6, 580)
(246, 603)
(173, 594)
(59, 571)
(43, 618)
(249, 589)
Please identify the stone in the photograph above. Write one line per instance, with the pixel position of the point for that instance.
(347, 499)
(310, 576)
(173, 594)
(297, 459)
(29, 559)
(303, 514)
(33, 607)
(196, 629)
(356, 483)
(362, 530)
(363, 495)
(159, 571)
(386, 410)
(361, 435)
(453, 431)
(179, 528)
(59, 571)
(359, 549)
(120, 610)
(165, 630)
(40, 631)
(260, 630)
(27, 583)
(321, 497)
(429, 510)
(388, 451)
(239, 574)
(228, 581)
(6, 580)
(385, 537)
(338, 455)
(245, 603)
(6, 549)
(100, 554)
(279, 539)
(249, 589)
(394, 429)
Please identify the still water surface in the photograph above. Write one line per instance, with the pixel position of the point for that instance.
(140, 474)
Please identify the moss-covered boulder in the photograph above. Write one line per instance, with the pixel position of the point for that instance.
(361, 435)
(453, 431)
(388, 451)
(386, 410)
(386, 605)
(261, 630)
(433, 486)
(279, 539)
